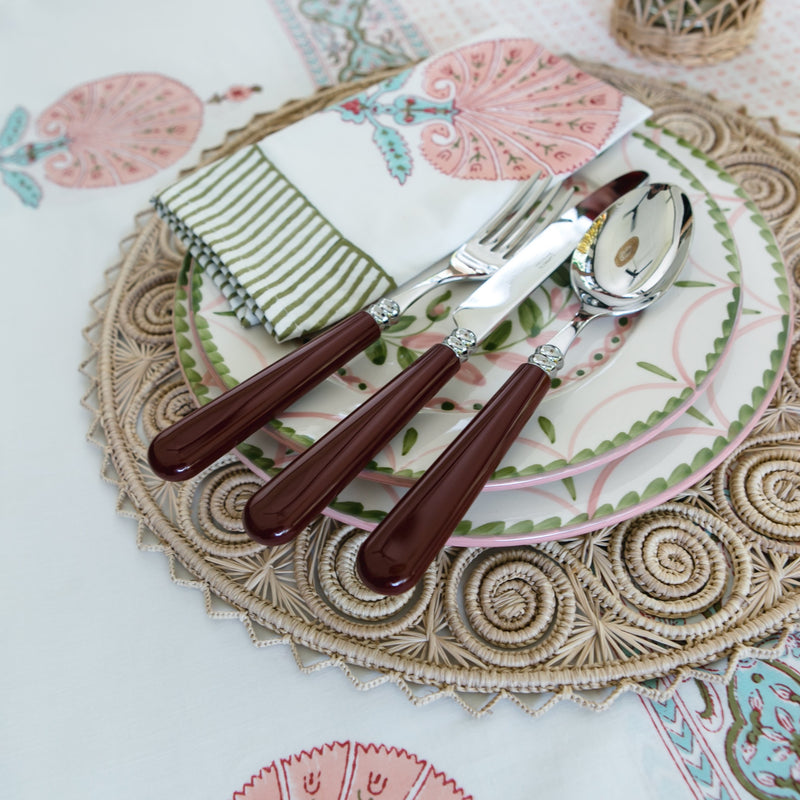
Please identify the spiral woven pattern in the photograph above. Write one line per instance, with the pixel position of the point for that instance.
(706, 576)
(211, 511)
(678, 563)
(709, 132)
(518, 606)
(771, 186)
(758, 488)
(171, 401)
(326, 576)
(147, 311)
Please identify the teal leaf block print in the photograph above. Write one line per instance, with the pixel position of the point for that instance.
(25, 187)
(14, 127)
(394, 151)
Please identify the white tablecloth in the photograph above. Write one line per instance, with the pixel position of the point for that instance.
(114, 682)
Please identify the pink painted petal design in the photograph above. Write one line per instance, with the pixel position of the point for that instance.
(120, 129)
(519, 110)
(507, 359)
(373, 771)
(469, 373)
(421, 341)
(263, 786)
(323, 768)
(438, 786)
(389, 774)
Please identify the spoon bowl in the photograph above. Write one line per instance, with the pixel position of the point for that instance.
(615, 267)
(630, 257)
(627, 260)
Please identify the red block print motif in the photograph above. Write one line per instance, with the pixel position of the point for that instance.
(351, 771)
(262, 786)
(236, 93)
(320, 773)
(383, 772)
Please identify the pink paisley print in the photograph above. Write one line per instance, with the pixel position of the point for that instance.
(120, 129)
(518, 110)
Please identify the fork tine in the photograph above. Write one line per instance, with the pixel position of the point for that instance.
(531, 208)
(554, 204)
(528, 213)
(524, 197)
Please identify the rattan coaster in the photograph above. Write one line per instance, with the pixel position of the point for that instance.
(713, 575)
(691, 33)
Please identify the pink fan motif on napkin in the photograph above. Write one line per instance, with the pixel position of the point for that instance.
(120, 129)
(495, 110)
(518, 110)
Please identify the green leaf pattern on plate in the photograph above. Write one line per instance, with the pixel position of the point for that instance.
(548, 428)
(409, 440)
(656, 370)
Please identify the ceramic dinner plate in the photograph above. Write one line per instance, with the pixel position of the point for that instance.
(688, 448)
(625, 379)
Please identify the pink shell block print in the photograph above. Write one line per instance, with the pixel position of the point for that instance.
(350, 771)
(519, 110)
(320, 772)
(120, 129)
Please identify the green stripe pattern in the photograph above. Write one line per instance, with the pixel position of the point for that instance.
(276, 258)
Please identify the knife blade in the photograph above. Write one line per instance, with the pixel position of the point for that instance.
(491, 302)
(286, 504)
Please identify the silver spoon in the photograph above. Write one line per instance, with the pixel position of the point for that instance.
(628, 259)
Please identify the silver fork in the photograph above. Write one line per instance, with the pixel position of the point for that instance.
(193, 443)
(530, 209)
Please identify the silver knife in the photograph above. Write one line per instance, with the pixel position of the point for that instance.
(287, 503)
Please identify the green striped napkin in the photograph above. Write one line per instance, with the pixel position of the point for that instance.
(318, 220)
(267, 246)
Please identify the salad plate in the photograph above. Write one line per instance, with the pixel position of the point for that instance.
(674, 458)
(638, 379)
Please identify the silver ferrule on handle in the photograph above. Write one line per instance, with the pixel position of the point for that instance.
(462, 342)
(548, 358)
(385, 312)
(550, 355)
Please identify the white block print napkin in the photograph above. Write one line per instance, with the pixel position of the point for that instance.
(327, 215)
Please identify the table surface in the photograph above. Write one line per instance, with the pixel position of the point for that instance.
(114, 680)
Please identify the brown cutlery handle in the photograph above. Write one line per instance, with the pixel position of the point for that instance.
(193, 443)
(396, 554)
(286, 504)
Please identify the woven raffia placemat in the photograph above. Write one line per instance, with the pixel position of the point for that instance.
(713, 575)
